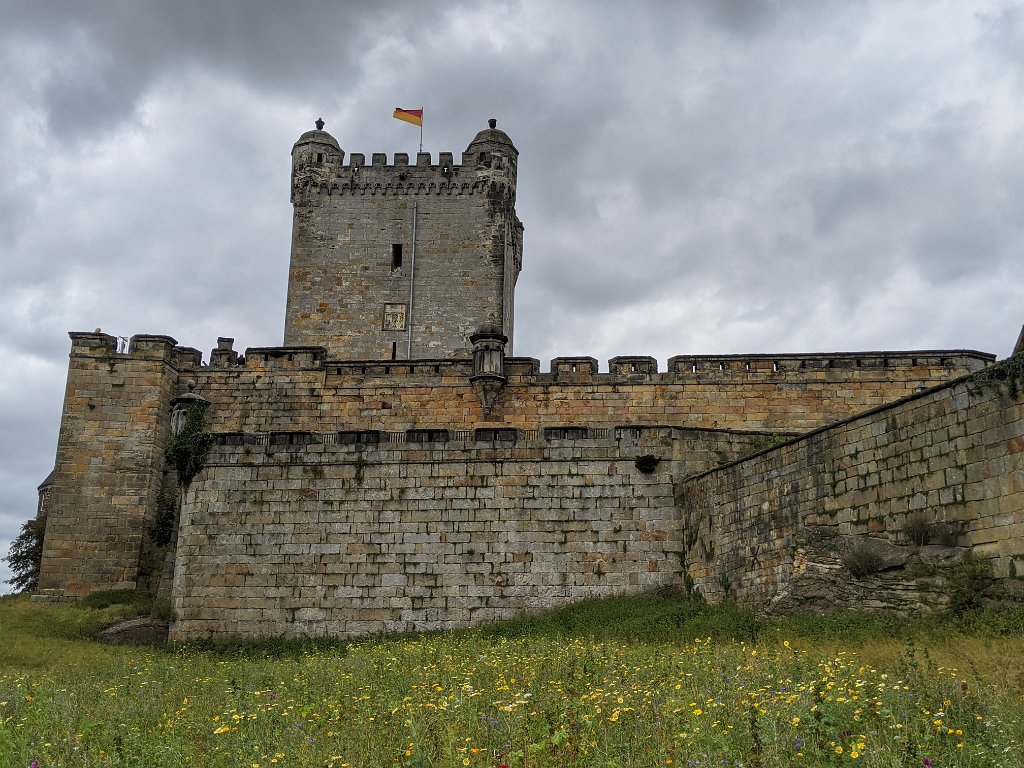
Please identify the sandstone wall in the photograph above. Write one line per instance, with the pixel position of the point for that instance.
(116, 416)
(285, 389)
(323, 538)
(109, 460)
(768, 528)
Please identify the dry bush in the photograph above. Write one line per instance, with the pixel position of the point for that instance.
(861, 560)
(918, 529)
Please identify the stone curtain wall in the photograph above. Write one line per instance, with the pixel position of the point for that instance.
(764, 528)
(284, 389)
(116, 416)
(345, 540)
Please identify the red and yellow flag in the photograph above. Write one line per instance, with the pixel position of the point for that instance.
(414, 116)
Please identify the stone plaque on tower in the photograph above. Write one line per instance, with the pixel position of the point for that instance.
(394, 317)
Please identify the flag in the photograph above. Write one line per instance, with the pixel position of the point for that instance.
(414, 116)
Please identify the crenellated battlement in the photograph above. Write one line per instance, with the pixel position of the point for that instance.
(319, 168)
(470, 163)
(97, 344)
(473, 177)
(769, 363)
(634, 369)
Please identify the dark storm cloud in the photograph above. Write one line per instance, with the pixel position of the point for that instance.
(116, 51)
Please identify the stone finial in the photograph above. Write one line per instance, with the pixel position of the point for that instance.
(1018, 348)
(492, 123)
(319, 123)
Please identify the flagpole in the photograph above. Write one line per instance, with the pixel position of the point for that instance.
(421, 134)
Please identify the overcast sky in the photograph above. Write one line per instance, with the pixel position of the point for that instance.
(722, 176)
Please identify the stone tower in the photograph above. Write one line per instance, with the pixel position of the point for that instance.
(402, 261)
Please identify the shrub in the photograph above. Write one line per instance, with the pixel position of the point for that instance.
(861, 560)
(25, 556)
(918, 529)
(967, 580)
(725, 621)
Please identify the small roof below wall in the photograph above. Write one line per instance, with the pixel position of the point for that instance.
(48, 481)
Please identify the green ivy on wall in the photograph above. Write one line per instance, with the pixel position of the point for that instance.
(186, 452)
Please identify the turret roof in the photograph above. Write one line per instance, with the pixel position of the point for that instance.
(492, 135)
(319, 135)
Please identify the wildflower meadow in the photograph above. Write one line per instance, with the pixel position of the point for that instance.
(610, 683)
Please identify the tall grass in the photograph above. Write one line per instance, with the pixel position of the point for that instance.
(621, 682)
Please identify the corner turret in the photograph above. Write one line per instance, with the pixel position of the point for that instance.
(316, 159)
(494, 158)
(492, 149)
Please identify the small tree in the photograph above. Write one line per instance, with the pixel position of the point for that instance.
(25, 555)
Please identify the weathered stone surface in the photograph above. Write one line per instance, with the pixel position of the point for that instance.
(464, 533)
(144, 630)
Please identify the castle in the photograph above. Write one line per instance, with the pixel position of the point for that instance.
(394, 467)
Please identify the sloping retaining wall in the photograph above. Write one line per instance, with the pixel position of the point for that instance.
(772, 530)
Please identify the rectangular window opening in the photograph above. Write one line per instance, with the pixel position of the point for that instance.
(394, 350)
(500, 433)
(354, 437)
(426, 435)
(396, 256)
(566, 433)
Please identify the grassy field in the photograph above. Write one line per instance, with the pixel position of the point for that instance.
(639, 682)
